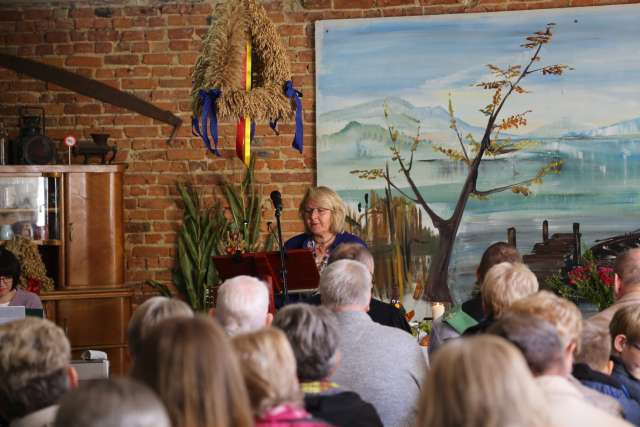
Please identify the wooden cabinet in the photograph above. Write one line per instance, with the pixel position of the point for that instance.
(83, 250)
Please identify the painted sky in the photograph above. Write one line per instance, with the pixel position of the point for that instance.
(423, 59)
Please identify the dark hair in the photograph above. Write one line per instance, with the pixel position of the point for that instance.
(313, 334)
(9, 266)
(536, 338)
(495, 254)
(37, 394)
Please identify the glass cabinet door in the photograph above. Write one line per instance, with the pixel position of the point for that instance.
(29, 207)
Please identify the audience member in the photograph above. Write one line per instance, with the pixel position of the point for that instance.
(550, 361)
(503, 284)
(380, 312)
(625, 336)
(150, 313)
(112, 403)
(35, 371)
(10, 294)
(383, 365)
(481, 381)
(626, 286)
(313, 334)
(567, 319)
(269, 370)
(593, 367)
(242, 305)
(454, 323)
(189, 363)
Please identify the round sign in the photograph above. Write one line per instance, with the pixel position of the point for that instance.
(70, 140)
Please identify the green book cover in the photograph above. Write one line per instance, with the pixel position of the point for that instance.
(459, 320)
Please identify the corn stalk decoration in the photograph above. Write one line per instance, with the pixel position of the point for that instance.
(206, 232)
(507, 82)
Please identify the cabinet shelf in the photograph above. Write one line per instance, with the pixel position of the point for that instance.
(50, 242)
(24, 210)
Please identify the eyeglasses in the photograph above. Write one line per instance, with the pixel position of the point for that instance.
(6, 279)
(319, 211)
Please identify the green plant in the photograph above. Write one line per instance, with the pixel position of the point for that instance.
(199, 236)
(245, 205)
(206, 232)
(585, 283)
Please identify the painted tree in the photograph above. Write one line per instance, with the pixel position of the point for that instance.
(506, 82)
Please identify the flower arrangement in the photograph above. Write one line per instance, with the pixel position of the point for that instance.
(585, 283)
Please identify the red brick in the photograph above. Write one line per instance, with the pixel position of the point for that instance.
(122, 59)
(103, 47)
(157, 59)
(84, 61)
(180, 33)
(137, 84)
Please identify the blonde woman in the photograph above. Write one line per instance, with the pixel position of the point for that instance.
(190, 365)
(323, 213)
(269, 370)
(481, 381)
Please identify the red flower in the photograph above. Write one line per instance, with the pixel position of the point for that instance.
(606, 275)
(34, 285)
(578, 274)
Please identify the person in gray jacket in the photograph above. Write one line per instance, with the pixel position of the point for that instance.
(384, 365)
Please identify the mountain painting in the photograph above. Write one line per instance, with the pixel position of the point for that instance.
(588, 118)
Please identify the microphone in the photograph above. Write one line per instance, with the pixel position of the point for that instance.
(276, 198)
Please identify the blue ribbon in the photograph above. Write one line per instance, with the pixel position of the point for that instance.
(209, 120)
(291, 92)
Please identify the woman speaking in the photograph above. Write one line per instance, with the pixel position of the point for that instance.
(323, 213)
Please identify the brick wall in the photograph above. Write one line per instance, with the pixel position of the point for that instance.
(148, 48)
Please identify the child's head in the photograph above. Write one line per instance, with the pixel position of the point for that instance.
(595, 349)
(625, 337)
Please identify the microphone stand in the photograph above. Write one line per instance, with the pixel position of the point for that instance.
(283, 264)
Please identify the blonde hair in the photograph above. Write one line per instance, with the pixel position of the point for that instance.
(328, 199)
(150, 313)
(504, 284)
(595, 350)
(190, 364)
(626, 321)
(561, 313)
(269, 369)
(480, 381)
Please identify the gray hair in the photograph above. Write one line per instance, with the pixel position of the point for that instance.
(112, 403)
(313, 334)
(150, 313)
(536, 338)
(242, 304)
(35, 357)
(354, 251)
(345, 282)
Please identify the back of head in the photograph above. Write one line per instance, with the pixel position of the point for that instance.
(345, 283)
(560, 312)
(34, 360)
(313, 334)
(242, 304)
(9, 266)
(626, 321)
(150, 313)
(495, 254)
(595, 348)
(504, 284)
(480, 381)
(186, 359)
(269, 369)
(536, 338)
(355, 252)
(627, 267)
(112, 403)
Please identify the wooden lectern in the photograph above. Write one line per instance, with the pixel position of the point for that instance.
(302, 273)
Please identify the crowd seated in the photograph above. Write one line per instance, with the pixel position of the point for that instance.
(530, 360)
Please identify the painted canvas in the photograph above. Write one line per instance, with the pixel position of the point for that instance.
(588, 118)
